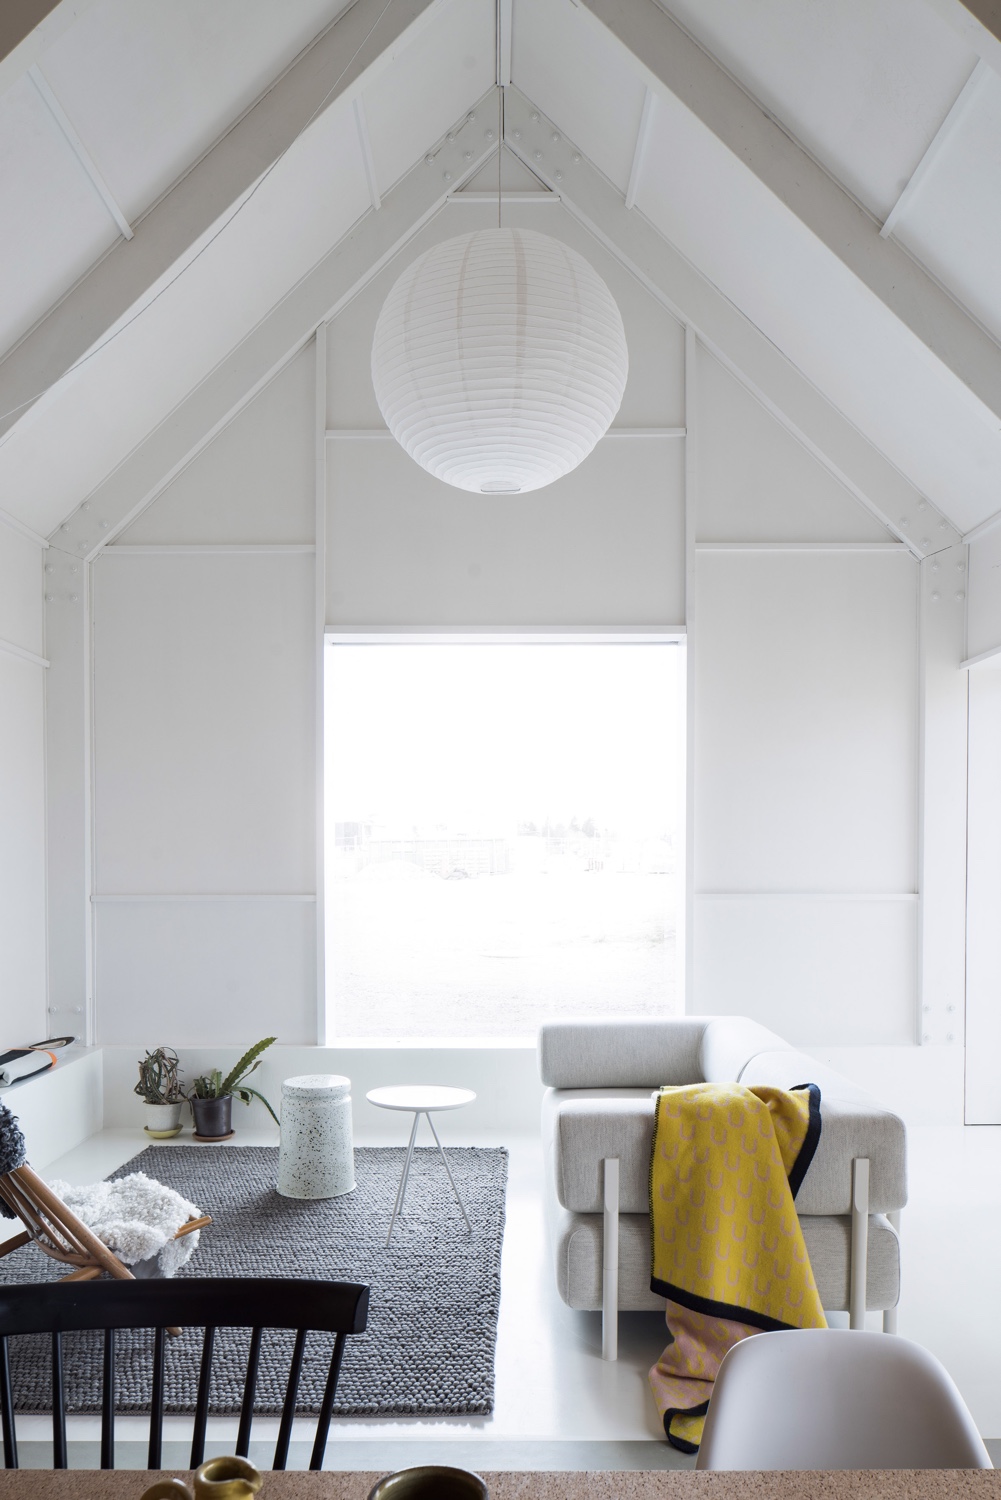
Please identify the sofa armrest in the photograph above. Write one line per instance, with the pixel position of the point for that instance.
(587, 1126)
(620, 1053)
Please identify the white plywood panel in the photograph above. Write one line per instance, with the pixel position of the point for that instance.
(806, 723)
(863, 85)
(953, 223)
(254, 482)
(603, 546)
(842, 337)
(983, 956)
(654, 394)
(757, 483)
(441, 73)
(53, 226)
(566, 67)
(983, 625)
(150, 87)
(241, 269)
(206, 973)
(944, 715)
(204, 684)
(22, 850)
(20, 591)
(817, 972)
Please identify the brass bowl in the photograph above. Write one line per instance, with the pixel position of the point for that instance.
(430, 1482)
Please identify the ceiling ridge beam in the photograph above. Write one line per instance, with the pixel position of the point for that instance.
(741, 347)
(668, 59)
(348, 267)
(366, 37)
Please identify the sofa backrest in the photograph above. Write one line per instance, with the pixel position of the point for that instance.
(640, 1052)
(729, 1043)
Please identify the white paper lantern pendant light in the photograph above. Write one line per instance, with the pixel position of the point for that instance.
(499, 360)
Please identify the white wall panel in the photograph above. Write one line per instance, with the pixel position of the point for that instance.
(806, 723)
(983, 624)
(838, 972)
(22, 850)
(757, 483)
(254, 481)
(983, 961)
(203, 699)
(211, 973)
(604, 546)
(20, 591)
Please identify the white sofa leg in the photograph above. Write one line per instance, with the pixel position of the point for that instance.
(860, 1242)
(890, 1313)
(610, 1261)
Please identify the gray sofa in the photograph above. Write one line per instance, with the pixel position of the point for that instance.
(597, 1127)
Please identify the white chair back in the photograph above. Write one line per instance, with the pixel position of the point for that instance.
(825, 1398)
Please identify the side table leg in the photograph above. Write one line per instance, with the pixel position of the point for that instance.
(401, 1190)
(451, 1179)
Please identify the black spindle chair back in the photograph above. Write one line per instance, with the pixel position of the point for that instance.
(337, 1307)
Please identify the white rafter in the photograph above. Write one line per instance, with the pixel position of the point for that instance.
(668, 59)
(362, 41)
(539, 143)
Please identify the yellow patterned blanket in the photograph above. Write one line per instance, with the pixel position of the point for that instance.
(727, 1248)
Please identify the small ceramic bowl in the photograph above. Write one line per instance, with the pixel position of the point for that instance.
(430, 1482)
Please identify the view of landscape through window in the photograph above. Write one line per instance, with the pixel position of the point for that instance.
(503, 835)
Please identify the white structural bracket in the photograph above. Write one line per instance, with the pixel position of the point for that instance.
(610, 1260)
(730, 336)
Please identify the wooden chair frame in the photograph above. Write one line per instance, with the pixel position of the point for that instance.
(57, 1231)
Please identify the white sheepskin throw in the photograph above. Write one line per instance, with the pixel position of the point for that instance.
(136, 1217)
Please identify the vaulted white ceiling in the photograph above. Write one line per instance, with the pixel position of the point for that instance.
(187, 189)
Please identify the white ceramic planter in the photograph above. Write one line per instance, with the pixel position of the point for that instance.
(163, 1120)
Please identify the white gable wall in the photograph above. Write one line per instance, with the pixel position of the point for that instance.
(22, 792)
(808, 711)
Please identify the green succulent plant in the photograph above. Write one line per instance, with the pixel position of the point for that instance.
(213, 1085)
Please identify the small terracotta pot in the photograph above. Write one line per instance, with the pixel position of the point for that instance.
(213, 1116)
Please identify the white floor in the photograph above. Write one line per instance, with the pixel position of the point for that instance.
(557, 1403)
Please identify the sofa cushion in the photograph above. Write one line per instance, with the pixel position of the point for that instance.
(729, 1042)
(622, 1053)
(828, 1241)
(853, 1123)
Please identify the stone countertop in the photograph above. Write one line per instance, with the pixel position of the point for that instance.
(851, 1484)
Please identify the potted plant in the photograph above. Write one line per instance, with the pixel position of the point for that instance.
(160, 1088)
(211, 1096)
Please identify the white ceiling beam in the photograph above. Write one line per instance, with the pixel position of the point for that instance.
(978, 22)
(737, 343)
(29, 28)
(670, 61)
(957, 113)
(365, 38)
(320, 295)
(639, 150)
(76, 145)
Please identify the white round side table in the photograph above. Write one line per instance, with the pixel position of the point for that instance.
(421, 1099)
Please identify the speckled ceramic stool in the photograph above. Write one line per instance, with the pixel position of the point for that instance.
(316, 1159)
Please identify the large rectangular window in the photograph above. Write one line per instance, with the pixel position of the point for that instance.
(504, 835)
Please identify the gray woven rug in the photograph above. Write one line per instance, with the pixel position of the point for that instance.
(429, 1348)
